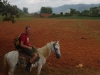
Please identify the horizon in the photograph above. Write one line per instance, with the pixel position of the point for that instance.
(35, 5)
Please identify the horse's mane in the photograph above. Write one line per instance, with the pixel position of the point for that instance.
(45, 50)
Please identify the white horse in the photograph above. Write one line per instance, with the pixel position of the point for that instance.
(11, 58)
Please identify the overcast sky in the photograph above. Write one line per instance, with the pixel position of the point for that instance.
(35, 5)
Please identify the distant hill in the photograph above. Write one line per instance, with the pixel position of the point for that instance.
(79, 7)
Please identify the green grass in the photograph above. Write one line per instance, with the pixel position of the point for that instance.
(20, 18)
(24, 18)
(1, 18)
(79, 17)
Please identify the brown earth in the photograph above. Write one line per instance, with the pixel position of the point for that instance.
(46, 15)
(79, 39)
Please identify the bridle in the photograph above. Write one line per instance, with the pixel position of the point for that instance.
(55, 49)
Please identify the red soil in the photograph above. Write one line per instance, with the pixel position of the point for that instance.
(79, 39)
(46, 15)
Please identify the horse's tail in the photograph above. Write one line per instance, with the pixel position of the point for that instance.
(6, 64)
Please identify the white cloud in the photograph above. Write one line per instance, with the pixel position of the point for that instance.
(35, 5)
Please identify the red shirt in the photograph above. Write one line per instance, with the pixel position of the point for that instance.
(25, 39)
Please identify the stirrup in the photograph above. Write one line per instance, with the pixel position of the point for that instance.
(37, 59)
(27, 68)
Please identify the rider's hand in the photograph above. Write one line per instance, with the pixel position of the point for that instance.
(29, 47)
(33, 46)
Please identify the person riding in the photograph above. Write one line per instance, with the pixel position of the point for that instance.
(27, 48)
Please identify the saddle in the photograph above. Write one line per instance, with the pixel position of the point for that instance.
(24, 58)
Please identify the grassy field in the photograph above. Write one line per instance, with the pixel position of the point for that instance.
(80, 17)
(20, 18)
(71, 17)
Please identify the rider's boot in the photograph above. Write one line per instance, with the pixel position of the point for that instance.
(28, 66)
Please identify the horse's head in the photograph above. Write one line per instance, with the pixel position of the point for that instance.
(56, 49)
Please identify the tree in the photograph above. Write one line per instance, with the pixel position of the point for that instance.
(95, 11)
(77, 13)
(73, 11)
(46, 10)
(53, 15)
(20, 11)
(36, 13)
(9, 12)
(67, 14)
(61, 13)
(25, 10)
(86, 13)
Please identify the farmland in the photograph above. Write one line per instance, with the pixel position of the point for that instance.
(79, 44)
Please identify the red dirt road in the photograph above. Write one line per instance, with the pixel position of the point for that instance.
(79, 39)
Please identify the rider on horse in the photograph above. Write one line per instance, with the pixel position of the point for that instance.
(27, 48)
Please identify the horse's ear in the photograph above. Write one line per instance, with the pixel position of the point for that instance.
(57, 42)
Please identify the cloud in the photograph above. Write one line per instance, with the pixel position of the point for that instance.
(35, 5)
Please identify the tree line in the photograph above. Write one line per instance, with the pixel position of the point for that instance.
(12, 11)
(92, 12)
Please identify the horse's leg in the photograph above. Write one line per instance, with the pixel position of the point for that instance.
(39, 69)
(12, 67)
(11, 71)
(12, 60)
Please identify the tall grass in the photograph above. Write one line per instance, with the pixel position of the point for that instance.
(1, 18)
(23, 18)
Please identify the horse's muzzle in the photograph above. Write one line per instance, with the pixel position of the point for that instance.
(57, 56)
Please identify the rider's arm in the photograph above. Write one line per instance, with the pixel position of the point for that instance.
(24, 46)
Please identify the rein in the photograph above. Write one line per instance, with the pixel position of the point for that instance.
(55, 49)
(39, 52)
